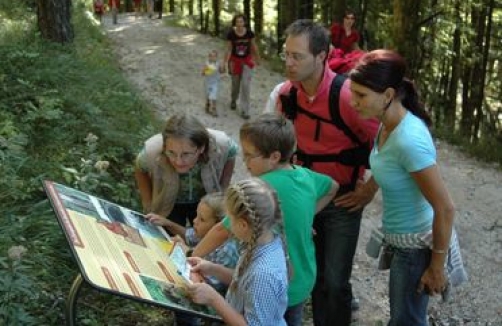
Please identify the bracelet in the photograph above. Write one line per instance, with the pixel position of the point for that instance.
(439, 251)
(189, 252)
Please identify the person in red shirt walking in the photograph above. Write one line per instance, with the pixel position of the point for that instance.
(242, 55)
(345, 36)
(99, 9)
(114, 6)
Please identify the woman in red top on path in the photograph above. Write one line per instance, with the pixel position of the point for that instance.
(345, 37)
(242, 54)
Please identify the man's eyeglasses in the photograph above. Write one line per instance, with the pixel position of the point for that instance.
(293, 56)
(185, 157)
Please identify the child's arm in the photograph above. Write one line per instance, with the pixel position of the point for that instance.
(203, 293)
(326, 199)
(207, 268)
(212, 240)
(173, 227)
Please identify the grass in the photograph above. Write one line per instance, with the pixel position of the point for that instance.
(52, 98)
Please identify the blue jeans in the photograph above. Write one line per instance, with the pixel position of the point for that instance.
(294, 314)
(407, 307)
(337, 232)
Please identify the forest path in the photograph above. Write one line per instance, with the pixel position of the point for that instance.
(164, 64)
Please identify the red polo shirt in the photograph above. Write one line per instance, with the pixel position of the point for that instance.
(331, 139)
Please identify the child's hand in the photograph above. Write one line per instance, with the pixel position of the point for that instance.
(200, 265)
(157, 219)
(179, 240)
(202, 293)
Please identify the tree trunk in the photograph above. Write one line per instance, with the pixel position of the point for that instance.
(247, 10)
(338, 11)
(451, 99)
(484, 48)
(306, 9)
(286, 14)
(190, 7)
(201, 15)
(54, 20)
(172, 6)
(325, 11)
(258, 17)
(406, 31)
(216, 16)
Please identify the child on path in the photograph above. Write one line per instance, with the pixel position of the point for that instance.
(258, 288)
(268, 142)
(212, 72)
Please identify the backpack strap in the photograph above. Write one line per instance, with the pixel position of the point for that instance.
(356, 157)
(334, 108)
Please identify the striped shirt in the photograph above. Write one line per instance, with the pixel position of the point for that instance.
(227, 255)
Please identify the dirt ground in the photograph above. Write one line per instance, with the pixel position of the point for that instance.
(163, 63)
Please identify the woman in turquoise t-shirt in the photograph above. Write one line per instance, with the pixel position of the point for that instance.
(417, 209)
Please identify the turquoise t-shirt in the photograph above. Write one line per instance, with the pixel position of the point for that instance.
(409, 148)
(298, 190)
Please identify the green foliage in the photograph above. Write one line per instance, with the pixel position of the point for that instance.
(17, 288)
(68, 115)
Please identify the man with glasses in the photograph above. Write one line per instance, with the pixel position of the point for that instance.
(305, 99)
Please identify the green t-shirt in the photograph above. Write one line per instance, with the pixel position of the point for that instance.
(298, 191)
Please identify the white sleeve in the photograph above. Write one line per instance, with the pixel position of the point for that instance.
(271, 105)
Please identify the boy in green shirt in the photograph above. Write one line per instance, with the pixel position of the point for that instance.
(268, 143)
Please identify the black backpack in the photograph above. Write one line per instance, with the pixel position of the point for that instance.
(356, 156)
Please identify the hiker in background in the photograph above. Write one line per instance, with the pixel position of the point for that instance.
(211, 71)
(177, 167)
(137, 8)
(149, 7)
(114, 6)
(344, 36)
(417, 212)
(241, 56)
(318, 102)
(257, 294)
(99, 9)
(159, 7)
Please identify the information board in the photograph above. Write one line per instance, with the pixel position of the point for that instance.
(119, 251)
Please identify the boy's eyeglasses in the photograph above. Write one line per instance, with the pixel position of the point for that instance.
(247, 157)
(297, 57)
(185, 157)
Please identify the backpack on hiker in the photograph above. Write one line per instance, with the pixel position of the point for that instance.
(342, 63)
(356, 156)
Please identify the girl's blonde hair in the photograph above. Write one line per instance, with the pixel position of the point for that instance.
(257, 203)
(215, 202)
